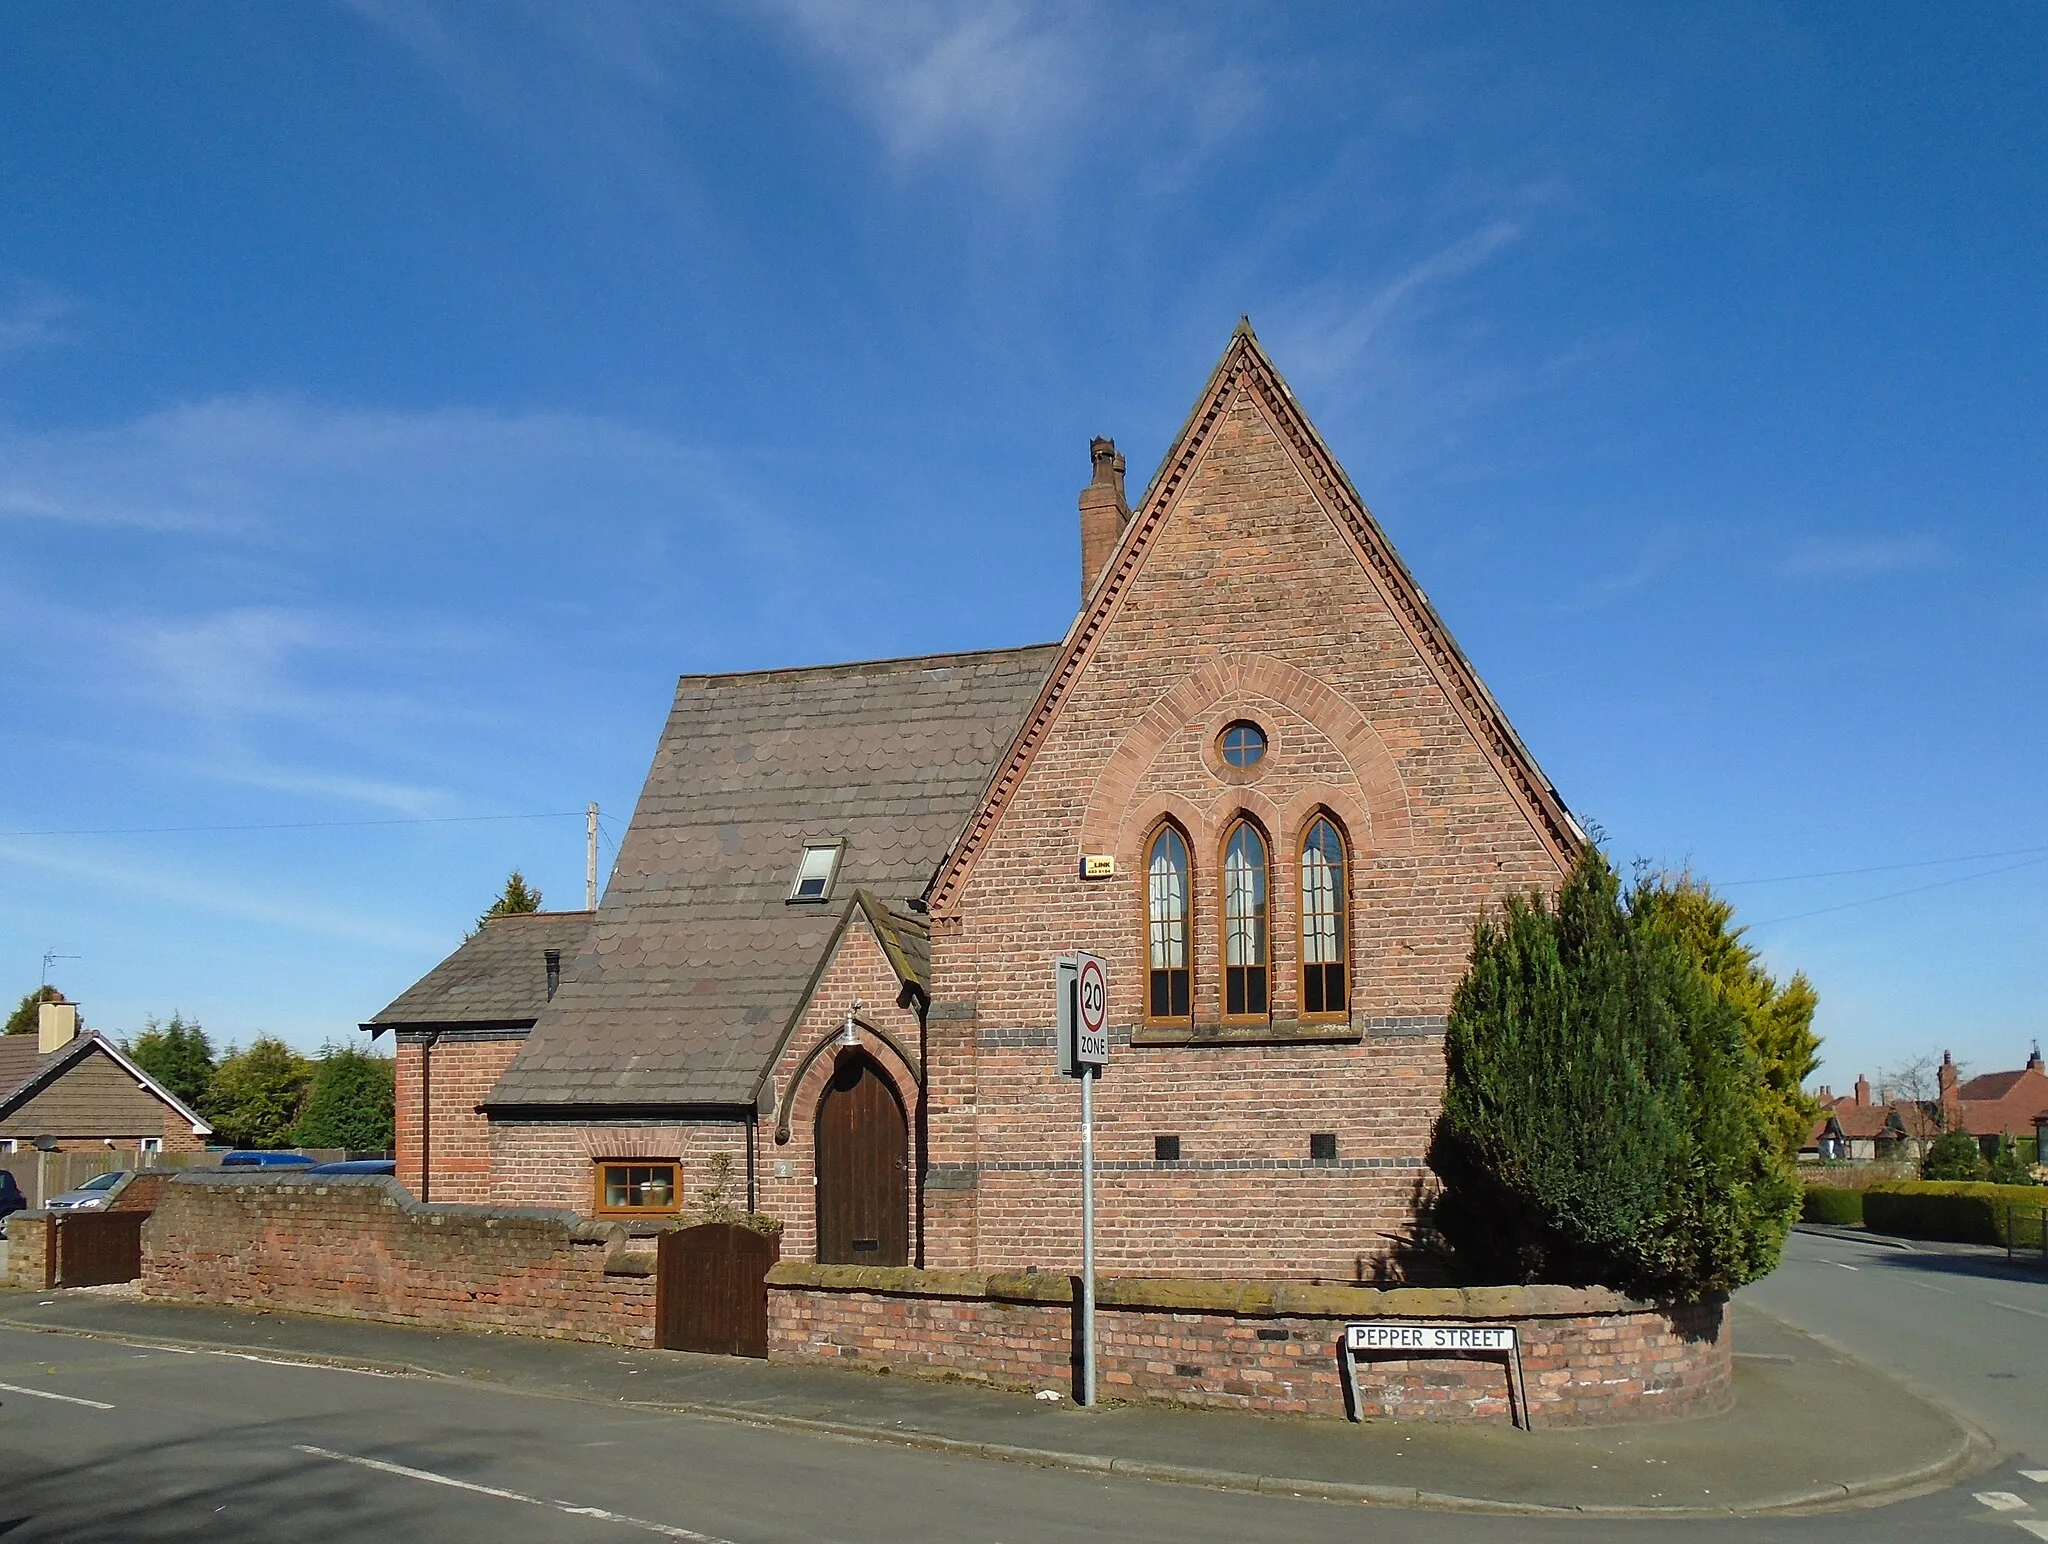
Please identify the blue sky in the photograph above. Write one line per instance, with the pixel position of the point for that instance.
(395, 397)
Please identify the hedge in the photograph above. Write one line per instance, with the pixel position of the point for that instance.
(1957, 1211)
(1832, 1204)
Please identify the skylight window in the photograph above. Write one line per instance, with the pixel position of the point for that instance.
(815, 873)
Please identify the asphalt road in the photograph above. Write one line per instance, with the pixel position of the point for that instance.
(105, 1441)
(1965, 1328)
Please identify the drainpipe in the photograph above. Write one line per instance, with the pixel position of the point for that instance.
(753, 1126)
(426, 1113)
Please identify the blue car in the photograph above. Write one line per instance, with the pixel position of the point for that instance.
(11, 1200)
(357, 1166)
(257, 1159)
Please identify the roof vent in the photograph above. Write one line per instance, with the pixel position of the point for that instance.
(554, 959)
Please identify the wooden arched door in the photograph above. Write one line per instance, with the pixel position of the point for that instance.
(863, 1158)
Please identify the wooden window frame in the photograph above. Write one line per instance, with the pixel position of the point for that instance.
(1159, 829)
(600, 1165)
(1238, 822)
(1325, 1015)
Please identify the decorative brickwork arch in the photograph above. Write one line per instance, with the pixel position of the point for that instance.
(807, 1085)
(1380, 824)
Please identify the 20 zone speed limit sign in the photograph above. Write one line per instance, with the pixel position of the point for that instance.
(1091, 1012)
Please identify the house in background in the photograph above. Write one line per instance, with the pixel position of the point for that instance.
(1856, 1129)
(68, 1089)
(1996, 1104)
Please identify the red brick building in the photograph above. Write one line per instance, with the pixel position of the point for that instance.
(1257, 776)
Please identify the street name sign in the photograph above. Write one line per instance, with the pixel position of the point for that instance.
(1391, 1337)
(1429, 1337)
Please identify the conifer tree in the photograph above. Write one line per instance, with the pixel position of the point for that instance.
(350, 1104)
(178, 1055)
(517, 897)
(1604, 1114)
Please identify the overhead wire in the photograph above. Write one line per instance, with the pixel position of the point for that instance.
(291, 825)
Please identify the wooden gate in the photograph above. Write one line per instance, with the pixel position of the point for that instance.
(94, 1249)
(863, 1158)
(711, 1289)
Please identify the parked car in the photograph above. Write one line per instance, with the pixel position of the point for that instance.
(357, 1166)
(89, 1197)
(255, 1158)
(11, 1200)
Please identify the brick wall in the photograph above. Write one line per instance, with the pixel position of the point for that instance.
(1589, 1357)
(464, 1069)
(1250, 602)
(28, 1252)
(357, 1246)
(554, 1163)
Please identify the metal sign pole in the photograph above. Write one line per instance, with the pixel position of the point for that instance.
(1088, 1236)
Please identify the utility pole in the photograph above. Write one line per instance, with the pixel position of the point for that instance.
(590, 859)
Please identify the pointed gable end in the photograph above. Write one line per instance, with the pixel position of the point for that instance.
(1286, 501)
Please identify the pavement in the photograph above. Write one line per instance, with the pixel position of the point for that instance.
(1814, 1427)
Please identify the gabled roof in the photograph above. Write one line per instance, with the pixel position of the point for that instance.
(697, 959)
(1989, 1087)
(497, 978)
(25, 1072)
(1245, 366)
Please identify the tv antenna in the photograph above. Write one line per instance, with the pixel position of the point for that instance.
(50, 955)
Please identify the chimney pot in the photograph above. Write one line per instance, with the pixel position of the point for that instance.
(1104, 512)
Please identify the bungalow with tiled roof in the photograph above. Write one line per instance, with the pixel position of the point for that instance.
(70, 1089)
(1257, 777)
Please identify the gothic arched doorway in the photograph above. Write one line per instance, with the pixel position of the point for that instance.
(863, 1159)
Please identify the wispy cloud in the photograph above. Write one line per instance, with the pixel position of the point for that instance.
(32, 315)
(145, 882)
(1017, 84)
(1861, 557)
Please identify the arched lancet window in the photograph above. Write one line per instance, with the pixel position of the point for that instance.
(1166, 927)
(1244, 923)
(1323, 933)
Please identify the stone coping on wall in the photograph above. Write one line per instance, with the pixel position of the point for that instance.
(1242, 1299)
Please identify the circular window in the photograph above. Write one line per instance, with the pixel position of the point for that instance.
(1244, 744)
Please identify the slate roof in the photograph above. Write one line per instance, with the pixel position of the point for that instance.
(498, 977)
(698, 963)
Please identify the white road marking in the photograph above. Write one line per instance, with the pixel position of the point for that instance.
(69, 1399)
(1847, 1267)
(2038, 1476)
(280, 1361)
(2038, 1530)
(2001, 1501)
(2015, 1307)
(432, 1478)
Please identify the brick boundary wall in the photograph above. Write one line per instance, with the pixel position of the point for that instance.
(28, 1252)
(1591, 1357)
(358, 1246)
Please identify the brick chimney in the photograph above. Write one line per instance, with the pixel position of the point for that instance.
(1862, 1091)
(2034, 1058)
(1103, 512)
(56, 1025)
(1951, 1105)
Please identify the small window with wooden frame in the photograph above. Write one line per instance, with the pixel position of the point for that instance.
(1246, 915)
(1169, 994)
(636, 1188)
(1325, 934)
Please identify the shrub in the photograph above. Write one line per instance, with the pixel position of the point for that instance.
(1832, 1204)
(1603, 1119)
(1953, 1155)
(2010, 1165)
(1958, 1212)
